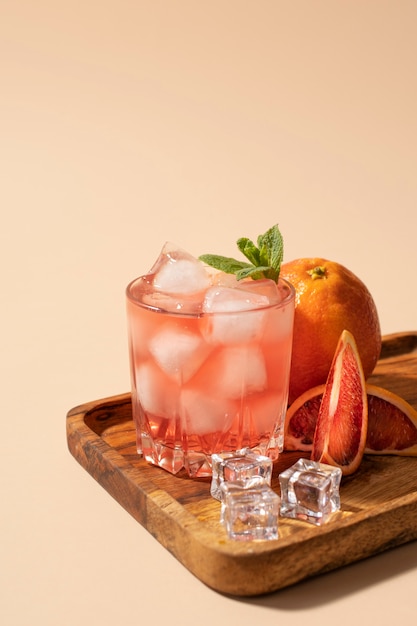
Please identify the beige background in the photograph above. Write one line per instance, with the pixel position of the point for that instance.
(125, 124)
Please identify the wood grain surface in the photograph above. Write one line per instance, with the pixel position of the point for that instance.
(378, 503)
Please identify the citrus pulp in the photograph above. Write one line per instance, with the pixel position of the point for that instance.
(342, 420)
(392, 422)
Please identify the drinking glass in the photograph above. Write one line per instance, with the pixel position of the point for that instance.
(209, 378)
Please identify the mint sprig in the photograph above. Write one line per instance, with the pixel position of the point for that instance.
(264, 259)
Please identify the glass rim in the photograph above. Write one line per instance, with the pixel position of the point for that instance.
(196, 314)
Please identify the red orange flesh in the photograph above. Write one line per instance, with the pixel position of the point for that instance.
(342, 421)
(392, 422)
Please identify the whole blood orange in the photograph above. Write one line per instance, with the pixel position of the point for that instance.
(342, 420)
(329, 299)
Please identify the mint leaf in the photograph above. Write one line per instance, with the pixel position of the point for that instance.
(248, 248)
(253, 272)
(265, 258)
(224, 263)
(271, 247)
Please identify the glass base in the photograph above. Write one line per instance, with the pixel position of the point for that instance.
(173, 460)
(197, 464)
(170, 459)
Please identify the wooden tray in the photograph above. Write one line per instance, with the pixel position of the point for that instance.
(379, 502)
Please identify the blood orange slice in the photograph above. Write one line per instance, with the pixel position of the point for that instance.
(392, 422)
(342, 421)
(301, 419)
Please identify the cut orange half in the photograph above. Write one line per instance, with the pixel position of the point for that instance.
(301, 420)
(392, 422)
(342, 420)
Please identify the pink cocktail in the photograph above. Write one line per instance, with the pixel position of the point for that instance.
(210, 361)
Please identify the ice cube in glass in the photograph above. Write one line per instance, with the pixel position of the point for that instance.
(233, 315)
(238, 467)
(176, 282)
(178, 272)
(178, 352)
(310, 491)
(250, 513)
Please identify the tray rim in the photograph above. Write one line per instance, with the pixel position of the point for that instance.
(181, 530)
